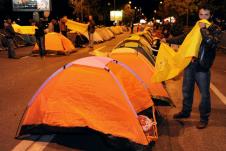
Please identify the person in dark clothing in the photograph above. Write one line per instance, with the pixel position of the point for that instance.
(199, 72)
(79, 41)
(10, 34)
(166, 29)
(54, 26)
(40, 37)
(177, 29)
(57, 26)
(132, 26)
(63, 26)
(91, 30)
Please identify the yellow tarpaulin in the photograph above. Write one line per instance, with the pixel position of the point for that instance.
(77, 27)
(170, 63)
(28, 30)
(83, 29)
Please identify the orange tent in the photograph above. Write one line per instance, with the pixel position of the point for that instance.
(57, 43)
(138, 63)
(95, 92)
(139, 44)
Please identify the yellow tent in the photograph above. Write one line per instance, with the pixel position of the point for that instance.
(146, 36)
(104, 35)
(139, 44)
(116, 30)
(109, 32)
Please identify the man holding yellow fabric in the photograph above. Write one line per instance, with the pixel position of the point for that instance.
(195, 56)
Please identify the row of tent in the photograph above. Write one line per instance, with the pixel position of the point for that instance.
(57, 43)
(101, 34)
(104, 94)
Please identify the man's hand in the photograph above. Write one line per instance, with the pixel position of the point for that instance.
(202, 25)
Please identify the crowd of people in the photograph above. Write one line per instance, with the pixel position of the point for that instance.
(45, 26)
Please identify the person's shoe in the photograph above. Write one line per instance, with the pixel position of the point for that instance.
(201, 125)
(181, 115)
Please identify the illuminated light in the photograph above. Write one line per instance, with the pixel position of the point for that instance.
(116, 15)
(157, 21)
(142, 21)
(31, 5)
(170, 19)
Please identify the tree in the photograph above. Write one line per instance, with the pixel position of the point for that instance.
(178, 7)
(84, 8)
(186, 8)
(128, 14)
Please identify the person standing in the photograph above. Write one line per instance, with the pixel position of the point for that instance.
(10, 34)
(198, 71)
(132, 26)
(54, 26)
(91, 30)
(166, 29)
(63, 26)
(40, 37)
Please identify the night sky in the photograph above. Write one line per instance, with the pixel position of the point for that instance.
(60, 8)
(147, 6)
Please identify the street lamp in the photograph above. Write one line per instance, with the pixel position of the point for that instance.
(130, 2)
(160, 2)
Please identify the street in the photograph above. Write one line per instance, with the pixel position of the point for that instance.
(20, 79)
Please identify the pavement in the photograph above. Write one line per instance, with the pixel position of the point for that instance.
(20, 79)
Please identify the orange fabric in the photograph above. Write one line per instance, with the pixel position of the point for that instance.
(57, 42)
(137, 93)
(144, 69)
(83, 96)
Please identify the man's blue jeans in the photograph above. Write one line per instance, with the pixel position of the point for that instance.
(11, 51)
(191, 76)
(41, 44)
